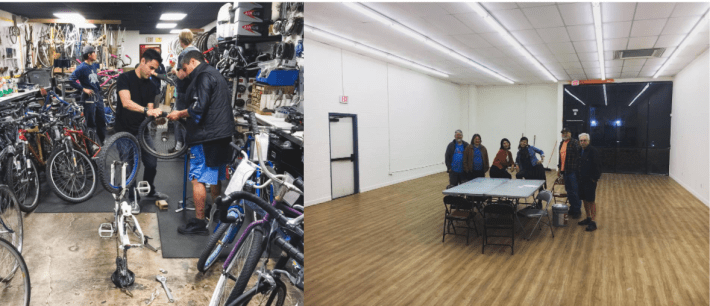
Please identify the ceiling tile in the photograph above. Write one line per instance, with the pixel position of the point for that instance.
(547, 59)
(585, 46)
(495, 39)
(509, 51)
(608, 69)
(512, 20)
(580, 76)
(544, 16)
(614, 63)
(475, 23)
(422, 9)
(642, 42)
(575, 71)
(668, 52)
(690, 9)
(615, 44)
(577, 13)
(692, 51)
(534, 4)
(550, 35)
(539, 50)
(618, 11)
(634, 62)
(491, 52)
(608, 54)
(668, 41)
(646, 74)
(655, 61)
(572, 65)
(561, 48)
(527, 37)
(653, 10)
(581, 32)
(616, 29)
(449, 25)
(591, 65)
(456, 7)
(587, 57)
(390, 9)
(569, 57)
(421, 25)
(472, 40)
(698, 39)
(649, 27)
(628, 75)
(494, 6)
(680, 25)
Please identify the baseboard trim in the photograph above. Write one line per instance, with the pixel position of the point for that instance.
(695, 194)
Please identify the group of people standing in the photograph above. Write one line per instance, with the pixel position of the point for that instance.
(579, 163)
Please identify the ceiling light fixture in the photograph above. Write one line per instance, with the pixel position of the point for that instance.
(367, 11)
(481, 11)
(374, 51)
(696, 29)
(172, 16)
(176, 31)
(604, 85)
(166, 25)
(85, 25)
(70, 18)
(640, 93)
(597, 11)
(573, 96)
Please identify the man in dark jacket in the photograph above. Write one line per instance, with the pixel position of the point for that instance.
(89, 85)
(454, 159)
(590, 164)
(209, 127)
(569, 166)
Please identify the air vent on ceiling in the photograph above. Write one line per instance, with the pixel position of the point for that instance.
(639, 53)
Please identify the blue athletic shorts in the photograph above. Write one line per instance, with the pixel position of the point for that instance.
(200, 171)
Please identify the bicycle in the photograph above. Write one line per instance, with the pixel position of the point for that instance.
(11, 225)
(128, 160)
(15, 290)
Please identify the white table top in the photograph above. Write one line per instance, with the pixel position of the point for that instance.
(17, 95)
(496, 187)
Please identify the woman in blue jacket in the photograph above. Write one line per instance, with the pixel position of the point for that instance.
(527, 164)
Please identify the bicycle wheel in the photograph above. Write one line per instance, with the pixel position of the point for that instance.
(274, 297)
(10, 217)
(72, 181)
(159, 137)
(22, 175)
(121, 147)
(15, 290)
(249, 239)
(253, 259)
(112, 96)
(215, 245)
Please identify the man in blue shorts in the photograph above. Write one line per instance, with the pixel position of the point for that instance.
(209, 127)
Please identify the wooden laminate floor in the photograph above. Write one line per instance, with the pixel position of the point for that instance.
(383, 247)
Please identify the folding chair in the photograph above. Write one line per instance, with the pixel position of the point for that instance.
(559, 195)
(545, 196)
(498, 217)
(458, 209)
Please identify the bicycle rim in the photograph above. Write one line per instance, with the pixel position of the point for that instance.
(11, 228)
(25, 183)
(273, 297)
(159, 137)
(124, 148)
(15, 287)
(73, 183)
(237, 265)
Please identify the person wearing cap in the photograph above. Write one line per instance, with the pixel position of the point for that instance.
(590, 171)
(569, 167)
(475, 159)
(90, 88)
(209, 127)
(454, 159)
(137, 94)
(185, 38)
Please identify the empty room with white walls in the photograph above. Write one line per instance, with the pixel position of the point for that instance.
(613, 97)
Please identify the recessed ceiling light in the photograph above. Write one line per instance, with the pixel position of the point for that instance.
(176, 31)
(172, 16)
(166, 25)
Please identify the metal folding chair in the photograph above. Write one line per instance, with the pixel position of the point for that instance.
(546, 197)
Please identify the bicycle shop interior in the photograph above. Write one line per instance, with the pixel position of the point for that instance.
(70, 231)
(402, 78)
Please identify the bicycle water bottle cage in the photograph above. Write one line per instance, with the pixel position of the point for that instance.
(143, 188)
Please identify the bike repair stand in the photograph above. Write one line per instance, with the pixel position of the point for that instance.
(184, 185)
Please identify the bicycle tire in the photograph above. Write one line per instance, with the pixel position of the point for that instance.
(157, 136)
(214, 247)
(276, 297)
(27, 193)
(252, 261)
(112, 96)
(11, 215)
(122, 146)
(243, 247)
(58, 167)
(10, 282)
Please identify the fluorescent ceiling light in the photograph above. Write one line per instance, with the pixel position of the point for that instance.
(70, 18)
(176, 31)
(483, 13)
(172, 16)
(374, 51)
(696, 29)
(640, 93)
(166, 25)
(422, 38)
(596, 10)
(573, 96)
(85, 25)
(604, 85)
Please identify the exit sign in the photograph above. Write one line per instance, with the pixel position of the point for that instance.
(344, 99)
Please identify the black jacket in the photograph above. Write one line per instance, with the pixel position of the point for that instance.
(590, 164)
(209, 108)
(449, 156)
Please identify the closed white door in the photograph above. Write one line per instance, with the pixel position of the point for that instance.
(342, 156)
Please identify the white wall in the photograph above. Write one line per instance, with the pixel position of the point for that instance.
(134, 40)
(689, 128)
(498, 112)
(405, 118)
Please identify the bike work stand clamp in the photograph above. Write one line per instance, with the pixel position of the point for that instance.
(184, 185)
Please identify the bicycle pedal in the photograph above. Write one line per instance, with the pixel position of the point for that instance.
(106, 230)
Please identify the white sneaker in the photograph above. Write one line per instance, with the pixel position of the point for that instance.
(135, 208)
